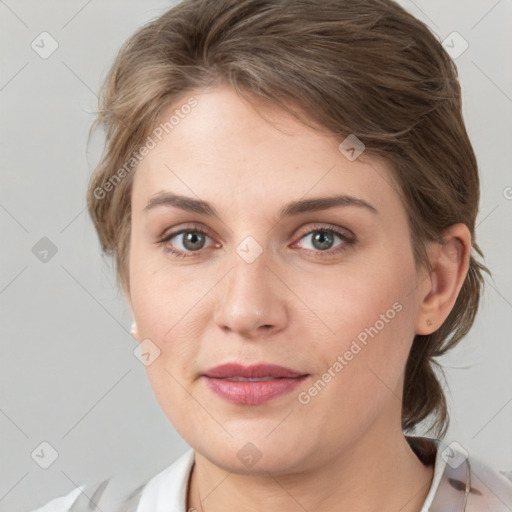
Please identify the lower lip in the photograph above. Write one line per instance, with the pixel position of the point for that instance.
(255, 392)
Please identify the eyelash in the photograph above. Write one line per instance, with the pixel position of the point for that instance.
(347, 241)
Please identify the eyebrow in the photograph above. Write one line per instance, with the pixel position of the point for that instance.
(201, 207)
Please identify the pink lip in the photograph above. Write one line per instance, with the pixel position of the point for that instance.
(252, 393)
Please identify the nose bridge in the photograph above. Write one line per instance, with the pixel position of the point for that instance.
(249, 282)
(250, 296)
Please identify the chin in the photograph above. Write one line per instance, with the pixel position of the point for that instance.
(258, 456)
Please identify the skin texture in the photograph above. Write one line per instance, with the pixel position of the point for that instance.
(344, 449)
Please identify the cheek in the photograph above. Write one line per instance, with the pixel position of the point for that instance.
(353, 302)
(160, 295)
(164, 309)
(366, 330)
(363, 367)
(167, 305)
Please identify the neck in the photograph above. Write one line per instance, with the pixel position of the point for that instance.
(370, 475)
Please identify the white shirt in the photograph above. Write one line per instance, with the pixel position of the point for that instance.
(460, 483)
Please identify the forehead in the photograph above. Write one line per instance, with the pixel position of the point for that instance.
(224, 150)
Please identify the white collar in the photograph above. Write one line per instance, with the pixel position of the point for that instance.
(460, 483)
(167, 491)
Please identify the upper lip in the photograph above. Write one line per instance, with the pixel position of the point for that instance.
(253, 371)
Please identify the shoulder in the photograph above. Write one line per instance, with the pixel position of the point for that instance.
(85, 494)
(104, 495)
(468, 483)
(114, 495)
(61, 503)
(490, 490)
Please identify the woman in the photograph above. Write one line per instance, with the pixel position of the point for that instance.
(290, 196)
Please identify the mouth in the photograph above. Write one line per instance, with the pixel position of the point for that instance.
(252, 385)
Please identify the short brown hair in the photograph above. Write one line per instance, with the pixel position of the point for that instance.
(367, 68)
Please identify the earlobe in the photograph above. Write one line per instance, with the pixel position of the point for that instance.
(134, 331)
(450, 264)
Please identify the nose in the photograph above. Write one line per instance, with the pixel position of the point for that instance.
(251, 299)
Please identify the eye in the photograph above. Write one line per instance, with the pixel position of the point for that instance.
(322, 239)
(192, 240)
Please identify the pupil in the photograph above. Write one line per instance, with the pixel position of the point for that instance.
(191, 237)
(321, 237)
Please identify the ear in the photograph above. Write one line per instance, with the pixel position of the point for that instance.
(439, 291)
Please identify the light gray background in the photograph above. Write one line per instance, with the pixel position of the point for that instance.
(67, 371)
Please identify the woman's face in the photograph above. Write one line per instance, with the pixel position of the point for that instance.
(259, 287)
